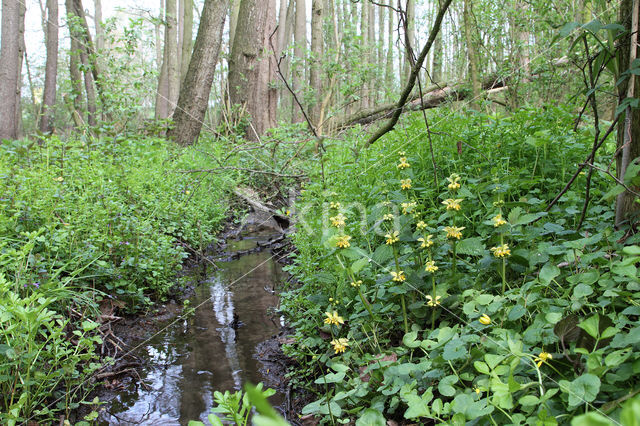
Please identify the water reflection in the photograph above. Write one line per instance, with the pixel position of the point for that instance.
(205, 353)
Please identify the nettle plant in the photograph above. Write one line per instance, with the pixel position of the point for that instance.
(449, 303)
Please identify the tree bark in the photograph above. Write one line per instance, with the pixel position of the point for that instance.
(300, 47)
(251, 66)
(194, 96)
(187, 38)
(9, 68)
(21, 56)
(410, 38)
(99, 25)
(628, 141)
(364, 35)
(390, 49)
(436, 65)
(315, 76)
(233, 22)
(51, 68)
(171, 57)
(162, 94)
(471, 51)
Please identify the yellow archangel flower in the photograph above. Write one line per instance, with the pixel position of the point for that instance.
(401, 153)
(392, 237)
(421, 225)
(544, 357)
(501, 251)
(454, 231)
(454, 182)
(408, 207)
(452, 204)
(333, 318)
(340, 345)
(387, 217)
(403, 163)
(334, 205)
(398, 276)
(338, 220)
(498, 220)
(405, 183)
(426, 242)
(431, 266)
(485, 319)
(343, 241)
(356, 284)
(431, 301)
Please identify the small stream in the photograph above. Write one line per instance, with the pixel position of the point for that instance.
(207, 351)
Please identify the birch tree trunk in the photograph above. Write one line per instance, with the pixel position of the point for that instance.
(51, 68)
(194, 95)
(9, 68)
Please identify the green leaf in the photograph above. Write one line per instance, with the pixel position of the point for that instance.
(330, 378)
(359, 264)
(445, 386)
(591, 325)
(548, 272)
(582, 290)
(371, 417)
(471, 246)
(409, 340)
(583, 389)
(454, 349)
(592, 419)
(418, 405)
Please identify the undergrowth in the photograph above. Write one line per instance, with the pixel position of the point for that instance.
(455, 296)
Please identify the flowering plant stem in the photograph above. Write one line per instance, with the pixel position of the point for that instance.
(404, 308)
(504, 267)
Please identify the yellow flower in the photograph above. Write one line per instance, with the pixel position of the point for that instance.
(485, 319)
(403, 163)
(387, 217)
(431, 266)
(334, 205)
(454, 182)
(452, 204)
(392, 238)
(58, 179)
(343, 241)
(408, 207)
(477, 390)
(340, 345)
(333, 318)
(498, 220)
(401, 153)
(431, 301)
(187, 192)
(288, 212)
(338, 220)
(405, 183)
(398, 276)
(421, 225)
(453, 231)
(501, 251)
(426, 242)
(356, 284)
(543, 357)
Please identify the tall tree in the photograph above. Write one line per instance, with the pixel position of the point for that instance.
(627, 205)
(315, 76)
(168, 81)
(364, 36)
(97, 15)
(9, 68)
(187, 37)
(300, 47)
(194, 95)
(471, 51)
(390, 49)
(436, 65)
(21, 58)
(410, 38)
(51, 67)
(251, 66)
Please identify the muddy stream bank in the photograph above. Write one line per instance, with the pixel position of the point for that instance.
(216, 348)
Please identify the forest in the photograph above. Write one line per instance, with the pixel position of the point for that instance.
(310, 212)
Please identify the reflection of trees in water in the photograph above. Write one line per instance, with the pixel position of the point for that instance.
(222, 300)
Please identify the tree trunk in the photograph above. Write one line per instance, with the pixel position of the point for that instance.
(628, 142)
(51, 68)
(251, 66)
(187, 38)
(162, 93)
(471, 51)
(390, 49)
(315, 77)
(285, 97)
(436, 66)
(171, 51)
(89, 88)
(194, 96)
(364, 35)
(410, 38)
(372, 68)
(99, 28)
(233, 22)
(9, 68)
(300, 47)
(21, 55)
